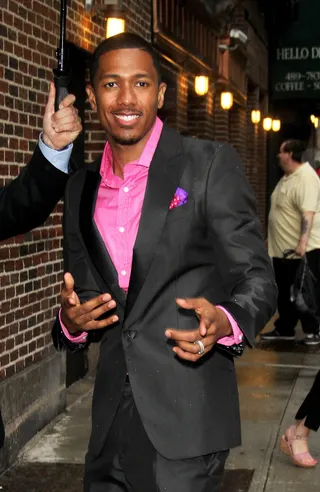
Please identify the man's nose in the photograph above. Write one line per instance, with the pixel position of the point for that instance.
(126, 95)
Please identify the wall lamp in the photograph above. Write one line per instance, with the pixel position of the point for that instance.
(276, 125)
(201, 84)
(271, 124)
(113, 13)
(226, 100)
(314, 120)
(267, 124)
(255, 116)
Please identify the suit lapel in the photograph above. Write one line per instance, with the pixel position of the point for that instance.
(163, 179)
(93, 241)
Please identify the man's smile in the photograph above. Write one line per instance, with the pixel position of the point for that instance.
(127, 117)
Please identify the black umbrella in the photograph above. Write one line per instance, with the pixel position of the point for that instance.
(61, 73)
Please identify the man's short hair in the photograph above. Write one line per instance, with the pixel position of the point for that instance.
(123, 41)
(296, 148)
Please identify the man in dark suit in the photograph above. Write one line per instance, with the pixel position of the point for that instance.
(167, 264)
(29, 199)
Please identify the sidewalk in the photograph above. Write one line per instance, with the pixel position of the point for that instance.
(273, 380)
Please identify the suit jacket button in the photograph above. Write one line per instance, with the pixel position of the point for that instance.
(132, 334)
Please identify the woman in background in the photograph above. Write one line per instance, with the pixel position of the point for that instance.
(294, 442)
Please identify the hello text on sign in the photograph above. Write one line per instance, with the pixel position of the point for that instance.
(302, 53)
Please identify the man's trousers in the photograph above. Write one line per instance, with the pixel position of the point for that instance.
(129, 462)
(285, 271)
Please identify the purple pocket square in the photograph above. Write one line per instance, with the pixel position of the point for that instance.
(180, 198)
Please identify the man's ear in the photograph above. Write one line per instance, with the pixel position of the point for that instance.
(92, 97)
(161, 93)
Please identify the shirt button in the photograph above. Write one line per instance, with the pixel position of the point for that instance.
(123, 272)
(132, 334)
(126, 189)
(240, 337)
(121, 229)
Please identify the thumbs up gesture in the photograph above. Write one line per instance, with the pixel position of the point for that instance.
(62, 127)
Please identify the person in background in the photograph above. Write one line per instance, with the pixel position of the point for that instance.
(29, 199)
(294, 442)
(294, 224)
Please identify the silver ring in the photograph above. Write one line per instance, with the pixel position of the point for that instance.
(201, 346)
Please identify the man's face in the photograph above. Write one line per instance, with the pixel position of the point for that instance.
(126, 95)
(284, 158)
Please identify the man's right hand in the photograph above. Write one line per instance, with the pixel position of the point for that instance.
(60, 128)
(78, 317)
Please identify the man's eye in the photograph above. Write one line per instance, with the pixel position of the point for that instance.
(110, 85)
(142, 84)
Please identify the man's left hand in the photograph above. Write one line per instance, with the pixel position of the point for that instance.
(301, 250)
(213, 325)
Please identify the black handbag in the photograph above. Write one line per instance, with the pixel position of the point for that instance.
(303, 293)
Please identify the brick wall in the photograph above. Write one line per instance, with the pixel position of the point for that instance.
(30, 266)
(256, 155)
(261, 174)
(246, 71)
(238, 130)
(170, 75)
(257, 73)
(221, 120)
(200, 113)
(182, 102)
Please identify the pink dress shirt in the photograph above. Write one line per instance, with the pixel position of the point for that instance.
(123, 199)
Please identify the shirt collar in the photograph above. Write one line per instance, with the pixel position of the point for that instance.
(106, 170)
(299, 170)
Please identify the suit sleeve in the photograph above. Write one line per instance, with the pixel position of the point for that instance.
(239, 247)
(29, 199)
(75, 262)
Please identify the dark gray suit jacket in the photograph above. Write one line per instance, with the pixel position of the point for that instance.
(211, 247)
(30, 198)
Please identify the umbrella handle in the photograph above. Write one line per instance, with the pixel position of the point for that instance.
(61, 83)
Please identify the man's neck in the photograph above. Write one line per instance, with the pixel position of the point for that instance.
(293, 168)
(124, 154)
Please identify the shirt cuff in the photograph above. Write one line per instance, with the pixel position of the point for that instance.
(58, 158)
(237, 336)
(81, 338)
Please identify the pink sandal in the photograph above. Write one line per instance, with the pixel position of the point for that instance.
(305, 459)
